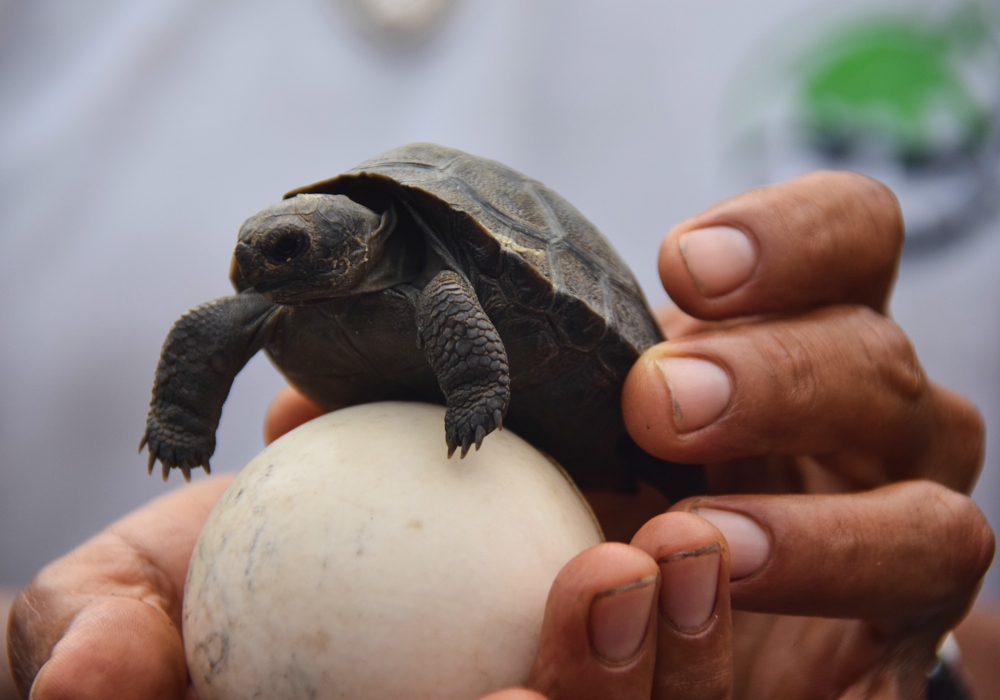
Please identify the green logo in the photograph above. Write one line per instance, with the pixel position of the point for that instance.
(910, 98)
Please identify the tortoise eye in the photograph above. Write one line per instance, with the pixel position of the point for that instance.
(286, 247)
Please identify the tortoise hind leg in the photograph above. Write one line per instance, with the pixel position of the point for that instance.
(468, 357)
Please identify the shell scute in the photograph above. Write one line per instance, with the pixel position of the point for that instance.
(544, 253)
(564, 306)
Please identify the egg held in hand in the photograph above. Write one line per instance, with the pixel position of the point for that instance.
(353, 559)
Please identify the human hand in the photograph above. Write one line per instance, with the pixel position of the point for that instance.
(905, 559)
(859, 587)
(782, 372)
(104, 621)
(820, 392)
(786, 376)
(62, 621)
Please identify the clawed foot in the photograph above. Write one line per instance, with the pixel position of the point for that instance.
(473, 415)
(176, 449)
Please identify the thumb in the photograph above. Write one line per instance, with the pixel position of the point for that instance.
(115, 647)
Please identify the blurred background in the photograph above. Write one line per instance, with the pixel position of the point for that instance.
(137, 135)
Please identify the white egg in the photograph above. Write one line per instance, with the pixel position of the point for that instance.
(353, 559)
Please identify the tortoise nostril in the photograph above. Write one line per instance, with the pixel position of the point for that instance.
(286, 247)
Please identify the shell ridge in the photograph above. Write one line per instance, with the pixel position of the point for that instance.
(608, 299)
(555, 274)
(560, 240)
(368, 169)
(555, 225)
(637, 336)
(374, 166)
(616, 268)
(469, 192)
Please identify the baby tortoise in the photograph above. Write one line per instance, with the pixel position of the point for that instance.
(426, 274)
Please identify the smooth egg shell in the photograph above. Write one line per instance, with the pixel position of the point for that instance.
(353, 559)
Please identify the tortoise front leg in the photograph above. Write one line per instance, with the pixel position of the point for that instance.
(201, 357)
(468, 357)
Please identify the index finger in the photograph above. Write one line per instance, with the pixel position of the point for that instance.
(823, 238)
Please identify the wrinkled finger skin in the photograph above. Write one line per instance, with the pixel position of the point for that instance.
(826, 238)
(693, 662)
(849, 599)
(104, 621)
(830, 553)
(859, 588)
(841, 383)
(825, 392)
(569, 664)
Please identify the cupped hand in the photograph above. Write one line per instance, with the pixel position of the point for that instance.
(104, 621)
(859, 589)
(894, 568)
(782, 371)
(819, 259)
(783, 374)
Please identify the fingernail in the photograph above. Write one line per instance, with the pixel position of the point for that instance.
(619, 617)
(749, 547)
(699, 391)
(688, 584)
(719, 258)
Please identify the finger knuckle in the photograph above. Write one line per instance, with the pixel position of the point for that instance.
(889, 351)
(698, 681)
(976, 425)
(24, 625)
(791, 355)
(967, 539)
(880, 194)
(883, 206)
(879, 204)
(966, 415)
(870, 215)
(963, 439)
(975, 442)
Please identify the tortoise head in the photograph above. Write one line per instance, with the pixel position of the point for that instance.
(311, 247)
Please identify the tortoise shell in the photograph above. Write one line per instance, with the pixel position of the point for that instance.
(569, 311)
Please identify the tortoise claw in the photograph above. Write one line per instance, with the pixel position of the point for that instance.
(185, 453)
(469, 420)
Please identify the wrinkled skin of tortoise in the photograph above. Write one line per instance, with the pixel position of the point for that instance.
(427, 274)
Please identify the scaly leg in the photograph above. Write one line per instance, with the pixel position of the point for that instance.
(468, 357)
